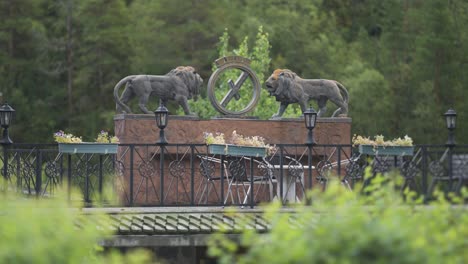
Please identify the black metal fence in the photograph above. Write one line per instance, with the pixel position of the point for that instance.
(188, 175)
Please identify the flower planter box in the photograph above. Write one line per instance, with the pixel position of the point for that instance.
(234, 150)
(88, 147)
(386, 151)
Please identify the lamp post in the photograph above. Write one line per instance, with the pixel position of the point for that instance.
(161, 121)
(6, 115)
(451, 123)
(310, 117)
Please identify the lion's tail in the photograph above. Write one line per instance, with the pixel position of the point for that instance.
(120, 104)
(343, 91)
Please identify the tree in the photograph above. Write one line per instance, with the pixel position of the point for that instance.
(101, 59)
(26, 82)
(415, 51)
(259, 57)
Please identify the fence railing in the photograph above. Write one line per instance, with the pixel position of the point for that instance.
(189, 175)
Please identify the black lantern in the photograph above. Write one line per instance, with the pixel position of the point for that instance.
(6, 116)
(310, 117)
(451, 123)
(161, 121)
(451, 118)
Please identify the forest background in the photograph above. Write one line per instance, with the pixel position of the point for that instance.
(404, 62)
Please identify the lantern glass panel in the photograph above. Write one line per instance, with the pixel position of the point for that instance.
(450, 118)
(310, 117)
(6, 115)
(161, 117)
(5, 118)
(451, 122)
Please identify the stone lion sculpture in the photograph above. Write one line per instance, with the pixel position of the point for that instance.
(289, 88)
(180, 84)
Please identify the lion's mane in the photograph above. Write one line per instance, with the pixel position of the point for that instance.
(188, 75)
(288, 88)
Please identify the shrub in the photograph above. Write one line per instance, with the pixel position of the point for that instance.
(49, 231)
(347, 227)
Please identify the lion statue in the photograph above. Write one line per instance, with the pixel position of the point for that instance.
(289, 88)
(180, 84)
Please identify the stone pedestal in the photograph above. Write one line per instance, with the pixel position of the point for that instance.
(146, 173)
(142, 129)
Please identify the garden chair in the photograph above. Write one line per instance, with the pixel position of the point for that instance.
(293, 173)
(241, 180)
(207, 170)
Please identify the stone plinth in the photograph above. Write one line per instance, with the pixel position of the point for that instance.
(134, 128)
(145, 175)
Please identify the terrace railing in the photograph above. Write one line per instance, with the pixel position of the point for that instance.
(189, 175)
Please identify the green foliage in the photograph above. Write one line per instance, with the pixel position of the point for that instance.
(346, 227)
(403, 62)
(260, 60)
(417, 50)
(370, 98)
(49, 231)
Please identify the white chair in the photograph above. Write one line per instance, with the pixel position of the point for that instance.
(293, 174)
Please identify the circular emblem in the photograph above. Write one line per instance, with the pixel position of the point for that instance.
(222, 89)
